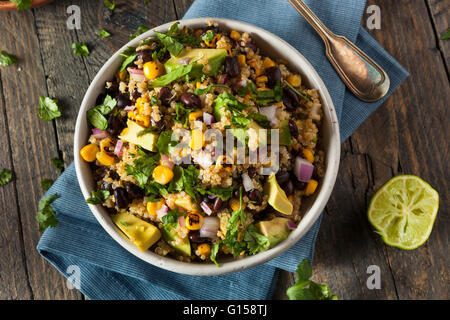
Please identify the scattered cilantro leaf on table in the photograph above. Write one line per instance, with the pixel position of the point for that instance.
(46, 184)
(103, 33)
(140, 30)
(446, 36)
(5, 176)
(98, 196)
(7, 59)
(306, 289)
(111, 5)
(58, 163)
(22, 4)
(80, 49)
(46, 217)
(48, 109)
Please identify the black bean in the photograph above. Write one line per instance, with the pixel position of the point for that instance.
(273, 76)
(288, 103)
(113, 90)
(122, 100)
(120, 195)
(114, 175)
(194, 236)
(100, 99)
(206, 199)
(236, 193)
(145, 55)
(251, 46)
(251, 172)
(135, 95)
(190, 101)
(232, 66)
(107, 186)
(282, 177)
(288, 188)
(217, 204)
(299, 185)
(115, 125)
(255, 195)
(290, 98)
(164, 95)
(134, 191)
(293, 129)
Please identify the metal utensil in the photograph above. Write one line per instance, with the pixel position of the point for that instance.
(363, 76)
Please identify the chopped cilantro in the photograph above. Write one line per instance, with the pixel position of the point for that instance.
(46, 217)
(80, 49)
(446, 36)
(111, 5)
(58, 163)
(124, 223)
(171, 76)
(182, 114)
(46, 184)
(6, 59)
(98, 197)
(171, 217)
(165, 142)
(172, 45)
(214, 250)
(142, 168)
(208, 36)
(5, 176)
(48, 109)
(223, 193)
(22, 4)
(103, 33)
(199, 91)
(96, 116)
(261, 120)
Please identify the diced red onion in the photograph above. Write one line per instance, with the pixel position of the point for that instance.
(184, 61)
(206, 208)
(182, 221)
(161, 212)
(136, 74)
(271, 114)
(222, 79)
(208, 118)
(118, 148)
(303, 169)
(291, 225)
(99, 134)
(247, 182)
(210, 227)
(165, 161)
(129, 108)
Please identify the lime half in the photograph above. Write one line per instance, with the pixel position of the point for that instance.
(403, 211)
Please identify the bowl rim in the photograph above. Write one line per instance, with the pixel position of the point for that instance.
(167, 263)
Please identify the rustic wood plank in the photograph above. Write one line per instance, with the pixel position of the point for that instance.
(440, 12)
(32, 144)
(14, 282)
(181, 6)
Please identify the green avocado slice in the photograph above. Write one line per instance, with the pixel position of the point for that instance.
(276, 230)
(169, 234)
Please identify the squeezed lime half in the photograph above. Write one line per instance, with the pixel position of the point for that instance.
(403, 211)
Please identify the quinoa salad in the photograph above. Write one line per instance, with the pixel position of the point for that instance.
(174, 136)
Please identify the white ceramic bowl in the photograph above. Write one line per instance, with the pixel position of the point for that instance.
(275, 47)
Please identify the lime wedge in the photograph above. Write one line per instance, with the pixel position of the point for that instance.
(403, 211)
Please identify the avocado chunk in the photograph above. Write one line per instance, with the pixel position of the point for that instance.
(277, 197)
(169, 233)
(214, 58)
(140, 232)
(146, 141)
(285, 134)
(276, 230)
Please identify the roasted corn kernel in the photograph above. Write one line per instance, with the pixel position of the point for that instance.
(89, 152)
(162, 174)
(294, 80)
(235, 35)
(194, 115)
(268, 63)
(197, 139)
(194, 221)
(153, 69)
(204, 249)
(261, 81)
(140, 104)
(308, 155)
(241, 60)
(235, 204)
(311, 187)
(105, 159)
(152, 207)
(224, 162)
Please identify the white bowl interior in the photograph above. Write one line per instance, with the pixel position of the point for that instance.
(312, 207)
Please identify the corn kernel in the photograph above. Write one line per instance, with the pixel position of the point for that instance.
(89, 152)
(105, 159)
(194, 221)
(235, 204)
(124, 132)
(194, 115)
(241, 60)
(311, 187)
(294, 80)
(235, 35)
(261, 81)
(197, 139)
(204, 249)
(105, 144)
(268, 63)
(201, 85)
(153, 69)
(152, 207)
(143, 120)
(213, 41)
(140, 104)
(162, 174)
(308, 155)
(224, 162)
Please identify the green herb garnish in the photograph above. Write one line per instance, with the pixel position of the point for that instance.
(80, 49)
(171, 76)
(5, 176)
(46, 217)
(302, 95)
(6, 59)
(96, 116)
(140, 30)
(199, 91)
(214, 250)
(111, 5)
(146, 130)
(48, 109)
(446, 36)
(22, 4)
(103, 33)
(306, 289)
(223, 193)
(208, 36)
(58, 163)
(182, 114)
(142, 168)
(172, 45)
(124, 223)
(98, 196)
(261, 120)
(165, 143)
(46, 184)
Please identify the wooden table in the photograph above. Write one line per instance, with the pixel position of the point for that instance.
(407, 134)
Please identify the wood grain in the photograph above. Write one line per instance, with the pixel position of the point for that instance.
(439, 11)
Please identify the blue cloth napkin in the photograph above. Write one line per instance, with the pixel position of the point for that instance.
(109, 272)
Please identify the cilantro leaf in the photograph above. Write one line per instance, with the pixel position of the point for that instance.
(182, 114)
(58, 163)
(96, 116)
(306, 289)
(172, 45)
(214, 250)
(256, 242)
(165, 142)
(103, 33)
(261, 119)
(199, 91)
(46, 217)
(142, 168)
(223, 193)
(22, 4)
(171, 76)
(208, 36)
(80, 49)
(130, 55)
(190, 175)
(46, 184)
(5, 176)
(171, 217)
(302, 95)
(98, 197)
(446, 36)
(110, 5)
(140, 30)
(48, 109)
(6, 59)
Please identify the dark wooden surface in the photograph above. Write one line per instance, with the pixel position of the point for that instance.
(407, 134)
